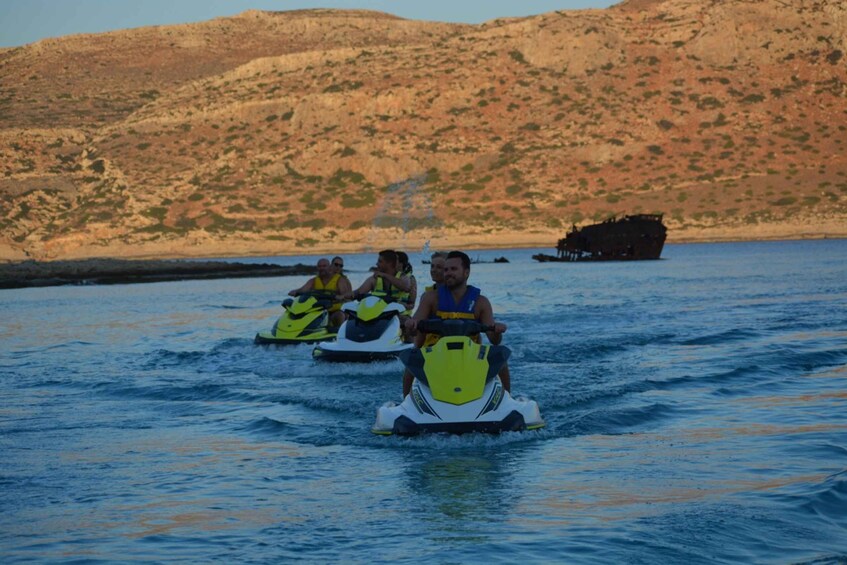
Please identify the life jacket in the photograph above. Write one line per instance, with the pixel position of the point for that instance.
(390, 292)
(449, 310)
(331, 286)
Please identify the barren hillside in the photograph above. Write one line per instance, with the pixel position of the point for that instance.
(285, 132)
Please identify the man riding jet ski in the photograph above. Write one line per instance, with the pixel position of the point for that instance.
(370, 333)
(453, 383)
(387, 280)
(315, 312)
(332, 280)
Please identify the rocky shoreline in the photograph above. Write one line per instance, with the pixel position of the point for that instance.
(178, 261)
(212, 248)
(122, 271)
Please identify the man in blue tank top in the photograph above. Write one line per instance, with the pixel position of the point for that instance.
(455, 299)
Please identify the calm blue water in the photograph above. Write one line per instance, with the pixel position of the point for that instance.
(697, 411)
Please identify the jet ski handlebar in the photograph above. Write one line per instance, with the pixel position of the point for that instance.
(317, 293)
(323, 298)
(363, 295)
(453, 327)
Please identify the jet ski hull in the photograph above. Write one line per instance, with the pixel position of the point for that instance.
(361, 340)
(405, 426)
(327, 352)
(305, 320)
(495, 412)
(267, 338)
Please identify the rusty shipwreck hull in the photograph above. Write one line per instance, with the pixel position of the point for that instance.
(635, 237)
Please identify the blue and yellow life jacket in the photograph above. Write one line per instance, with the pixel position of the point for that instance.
(449, 310)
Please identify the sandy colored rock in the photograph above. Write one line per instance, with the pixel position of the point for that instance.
(274, 133)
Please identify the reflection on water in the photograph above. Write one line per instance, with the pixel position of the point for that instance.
(457, 495)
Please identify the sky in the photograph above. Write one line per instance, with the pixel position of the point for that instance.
(26, 21)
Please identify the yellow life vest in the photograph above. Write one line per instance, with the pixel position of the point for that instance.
(455, 315)
(392, 291)
(331, 286)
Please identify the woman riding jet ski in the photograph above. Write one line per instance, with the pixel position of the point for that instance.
(305, 320)
(456, 387)
(370, 333)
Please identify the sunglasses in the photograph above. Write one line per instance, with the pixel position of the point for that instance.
(338, 265)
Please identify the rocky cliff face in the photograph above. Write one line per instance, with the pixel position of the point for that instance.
(289, 131)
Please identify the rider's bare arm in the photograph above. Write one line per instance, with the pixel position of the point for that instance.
(485, 315)
(402, 283)
(344, 288)
(413, 291)
(426, 309)
(366, 287)
(310, 284)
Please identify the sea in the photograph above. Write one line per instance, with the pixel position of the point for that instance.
(696, 411)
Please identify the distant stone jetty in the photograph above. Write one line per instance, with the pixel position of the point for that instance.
(123, 271)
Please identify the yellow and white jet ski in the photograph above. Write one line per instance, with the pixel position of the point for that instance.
(305, 320)
(456, 388)
(371, 332)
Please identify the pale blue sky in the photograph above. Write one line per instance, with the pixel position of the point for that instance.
(25, 21)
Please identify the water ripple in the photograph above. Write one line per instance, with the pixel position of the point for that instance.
(695, 410)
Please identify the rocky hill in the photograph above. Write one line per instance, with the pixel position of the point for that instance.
(285, 132)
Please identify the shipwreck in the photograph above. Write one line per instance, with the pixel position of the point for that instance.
(636, 237)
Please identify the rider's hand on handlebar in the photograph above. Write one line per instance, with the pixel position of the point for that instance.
(411, 324)
(499, 328)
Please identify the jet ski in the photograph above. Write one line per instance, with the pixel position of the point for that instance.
(371, 332)
(456, 388)
(305, 320)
